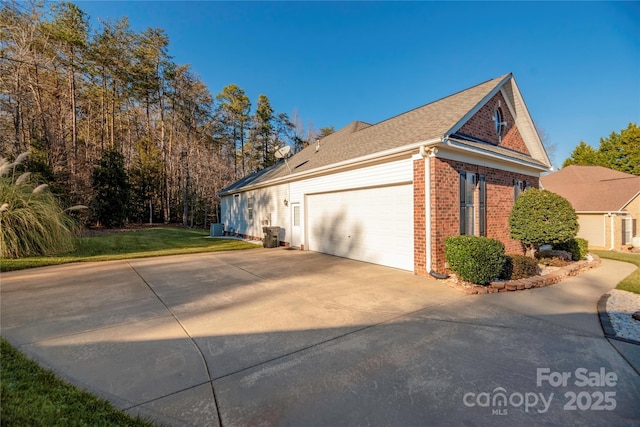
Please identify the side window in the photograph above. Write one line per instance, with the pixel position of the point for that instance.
(518, 188)
(250, 207)
(467, 208)
(482, 205)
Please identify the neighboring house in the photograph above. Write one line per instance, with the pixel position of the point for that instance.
(390, 193)
(607, 202)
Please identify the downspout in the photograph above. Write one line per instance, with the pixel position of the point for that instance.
(428, 153)
(611, 224)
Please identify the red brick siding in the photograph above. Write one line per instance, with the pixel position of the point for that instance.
(419, 219)
(482, 126)
(445, 208)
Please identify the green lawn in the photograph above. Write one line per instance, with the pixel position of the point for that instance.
(140, 243)
(632, 282)
(32, 396)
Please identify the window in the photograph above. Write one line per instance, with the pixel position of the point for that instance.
(499, 122)
(468, 182)
(518, 188)
(628, 230)
(250, 207)
(482, 205)
(467, 208)
(296, 216)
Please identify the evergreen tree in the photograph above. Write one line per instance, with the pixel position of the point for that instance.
(111, 188)
(619, 151)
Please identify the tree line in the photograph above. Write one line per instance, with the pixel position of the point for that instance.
(618, 151)
(108, 106)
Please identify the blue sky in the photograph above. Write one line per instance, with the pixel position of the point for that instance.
(577, 63)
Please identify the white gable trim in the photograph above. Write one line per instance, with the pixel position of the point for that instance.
(463, 153)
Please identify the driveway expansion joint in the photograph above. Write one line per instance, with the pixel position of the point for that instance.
(193, 341)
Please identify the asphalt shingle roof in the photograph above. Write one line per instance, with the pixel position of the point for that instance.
(593, 188)
(358, 139)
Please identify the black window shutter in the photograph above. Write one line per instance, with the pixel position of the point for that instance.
(483, 205)
(463, 201)
(624, 231)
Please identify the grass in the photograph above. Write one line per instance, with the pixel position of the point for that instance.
(141, 243)
(632, 282)
(33, 396)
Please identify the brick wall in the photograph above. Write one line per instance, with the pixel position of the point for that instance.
(419, 219)
(482, 126)
(445, 206)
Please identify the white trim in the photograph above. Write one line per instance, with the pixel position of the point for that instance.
(335, 167)
(467, 154)
(427, 206)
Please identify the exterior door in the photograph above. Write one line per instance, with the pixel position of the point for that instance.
(296, 233)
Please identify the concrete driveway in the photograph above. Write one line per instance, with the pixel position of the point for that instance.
(284, 337)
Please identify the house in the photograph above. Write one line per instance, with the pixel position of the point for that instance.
(607, 202)
(390, 193)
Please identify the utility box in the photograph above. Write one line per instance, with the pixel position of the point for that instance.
(271, 236)
(217, 230)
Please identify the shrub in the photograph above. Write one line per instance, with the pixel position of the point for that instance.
(577, 247)
(475, 259)
(519, 267)
(539, 217)
(31, 220)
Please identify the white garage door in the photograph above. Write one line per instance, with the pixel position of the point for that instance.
(373, 225)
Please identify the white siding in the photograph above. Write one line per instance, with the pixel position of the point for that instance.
(268, 210)
(269, 202)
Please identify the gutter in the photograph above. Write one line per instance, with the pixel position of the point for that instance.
(459, 146)
(339, 165)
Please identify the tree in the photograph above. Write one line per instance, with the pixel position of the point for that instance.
(111, 187)
(262, 133)
(235, 106)
(583, 155)
(326, 131)
(539, 217)
(620, 152)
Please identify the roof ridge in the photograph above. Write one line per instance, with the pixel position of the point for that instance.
(500, 78)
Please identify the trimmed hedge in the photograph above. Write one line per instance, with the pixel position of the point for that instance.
(578, 248)
(519, 267)
(475, 259)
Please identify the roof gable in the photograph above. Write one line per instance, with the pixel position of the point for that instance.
(593, 188)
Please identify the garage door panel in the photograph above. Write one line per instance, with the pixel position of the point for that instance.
(373, 225)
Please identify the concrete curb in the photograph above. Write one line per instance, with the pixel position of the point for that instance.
(605, 322)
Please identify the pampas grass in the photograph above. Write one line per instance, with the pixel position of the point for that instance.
(32, 221)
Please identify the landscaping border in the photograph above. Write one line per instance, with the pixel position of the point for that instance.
(530, 282)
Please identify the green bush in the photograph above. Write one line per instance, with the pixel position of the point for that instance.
(539, 217)
(476, 259)
(32, 222)
(519, 267)
(577, 247)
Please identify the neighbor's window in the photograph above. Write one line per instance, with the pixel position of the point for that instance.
(250, 207)
(628, 230)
